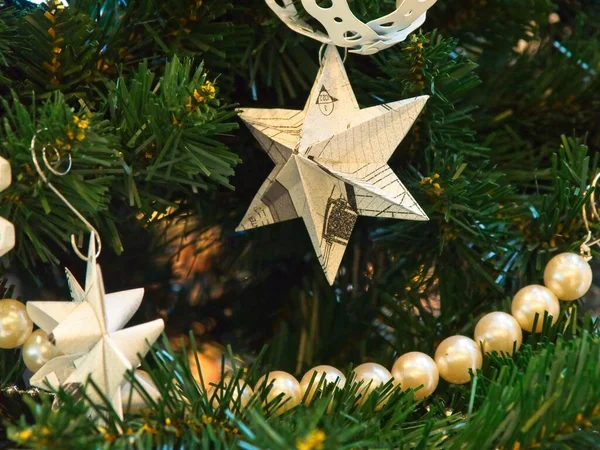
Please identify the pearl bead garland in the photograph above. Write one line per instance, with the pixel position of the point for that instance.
(567, 276)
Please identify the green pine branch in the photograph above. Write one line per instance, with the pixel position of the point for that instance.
(169, 132)
(160, 143)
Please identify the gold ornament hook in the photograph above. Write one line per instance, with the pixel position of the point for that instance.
(51, 167)
(585, 247)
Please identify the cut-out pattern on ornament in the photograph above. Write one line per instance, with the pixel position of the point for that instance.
(344, 29)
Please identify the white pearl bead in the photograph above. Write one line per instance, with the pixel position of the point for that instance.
(568, 275)
(532, 300)
(15, 324)
(373, 376)
(455, 356)
(281, 383)
(38, 350)
(416, 371)
(328, 374)
(240, 390)
(499, 332)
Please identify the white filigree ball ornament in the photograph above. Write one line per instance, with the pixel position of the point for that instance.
(346, 30)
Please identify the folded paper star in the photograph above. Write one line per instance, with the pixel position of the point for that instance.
(89, 331)
(331, 163)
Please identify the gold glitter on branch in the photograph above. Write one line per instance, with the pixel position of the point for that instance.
(315, 440)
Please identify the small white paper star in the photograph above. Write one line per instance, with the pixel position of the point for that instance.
(89, 331)
(331, 163)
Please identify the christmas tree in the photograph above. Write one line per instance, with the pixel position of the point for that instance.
(467, 148)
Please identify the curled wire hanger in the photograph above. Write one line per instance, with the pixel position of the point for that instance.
(50, 166)
(322, 49)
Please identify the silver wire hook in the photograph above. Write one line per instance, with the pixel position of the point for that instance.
(49, 165)
(322, 53)
(93, 232)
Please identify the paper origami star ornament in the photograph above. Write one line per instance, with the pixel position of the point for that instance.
(331, 163)
(89, 331)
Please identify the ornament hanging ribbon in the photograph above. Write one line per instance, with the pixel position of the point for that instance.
(344, 29)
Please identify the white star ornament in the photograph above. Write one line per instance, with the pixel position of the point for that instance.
(89, 331)
(331, 163)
